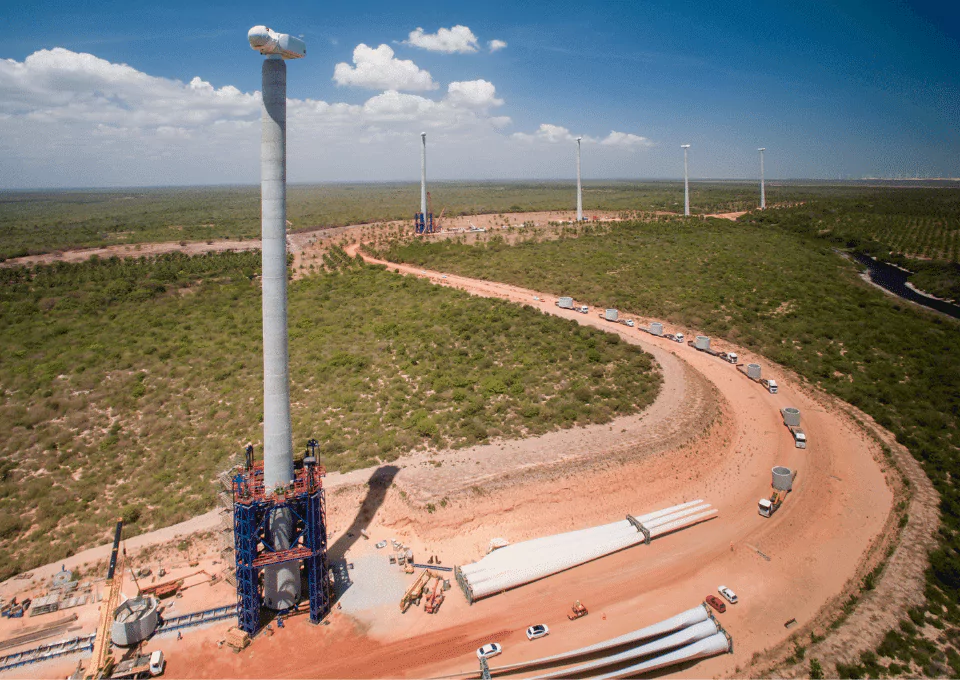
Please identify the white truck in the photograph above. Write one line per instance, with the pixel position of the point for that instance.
(771, 385)
(140, 666)
(567, 303)
(799, 436)
(676, 337)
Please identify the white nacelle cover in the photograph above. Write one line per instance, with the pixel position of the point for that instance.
(266, 41)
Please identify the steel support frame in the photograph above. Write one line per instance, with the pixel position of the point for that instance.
(423, 223)
(249, 521)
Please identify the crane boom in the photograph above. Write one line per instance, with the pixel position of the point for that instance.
(101, 659)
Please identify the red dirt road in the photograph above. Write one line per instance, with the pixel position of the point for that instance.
(815, 542)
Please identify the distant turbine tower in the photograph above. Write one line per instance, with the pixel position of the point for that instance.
(686, 182)
(423, 174)
(763, 195)
(579, 186)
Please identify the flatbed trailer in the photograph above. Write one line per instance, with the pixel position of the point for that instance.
(711, 352)
(769, 385)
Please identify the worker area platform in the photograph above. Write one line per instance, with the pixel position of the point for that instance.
(252, 507)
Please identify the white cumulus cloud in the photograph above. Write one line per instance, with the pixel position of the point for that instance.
(555, 133)
(379, 69)
(546, 133)
(473, 94)
(625, 139)
(495, 45)
(459, 40)
(74, 119)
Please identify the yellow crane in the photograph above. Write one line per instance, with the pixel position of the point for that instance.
(102, 661)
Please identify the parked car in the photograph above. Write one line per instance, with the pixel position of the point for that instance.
(716, 603)
(538, 631)
(728, 594)
(489, 651)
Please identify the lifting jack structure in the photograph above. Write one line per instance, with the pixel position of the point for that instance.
(252, 507)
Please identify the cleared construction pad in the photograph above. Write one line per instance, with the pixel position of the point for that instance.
(520, 563)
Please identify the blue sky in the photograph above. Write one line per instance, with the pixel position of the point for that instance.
(848, 90)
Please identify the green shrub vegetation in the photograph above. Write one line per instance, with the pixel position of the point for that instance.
(127, 385)
(780, 290)
(917, 229)
(41, 222)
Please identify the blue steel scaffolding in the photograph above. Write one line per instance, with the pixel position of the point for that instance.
(252, 506)
(423, 223)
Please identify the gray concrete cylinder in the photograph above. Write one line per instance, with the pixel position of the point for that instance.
(791, 416)
(782, 478)
(579, 186)
(423, 174)
(281, 583)
(134, 621)
(656, 328)
(703, 342)
(753, 371)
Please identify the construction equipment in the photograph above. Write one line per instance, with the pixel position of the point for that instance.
(102, 662)
(140, 666)
(782, 485)
(767, 507)
(799, 436)
(578, 611)
(434, 596)
(415, 592)
(237, 639)
(438, 223)
(702, 344)
(15, 610)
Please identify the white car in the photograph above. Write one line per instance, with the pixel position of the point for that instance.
(728, 594)
(489, 651)
(538, 631)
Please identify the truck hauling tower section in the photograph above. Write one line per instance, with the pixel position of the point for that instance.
(567, 303)
(702, 344)
(782, 485)
(753, 372)
(791, 418)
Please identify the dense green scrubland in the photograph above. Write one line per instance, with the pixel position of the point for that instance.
(127, 385)
(773, 283)
(43, 222)
(918, 229)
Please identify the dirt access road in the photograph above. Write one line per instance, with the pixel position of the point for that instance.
(815, 543)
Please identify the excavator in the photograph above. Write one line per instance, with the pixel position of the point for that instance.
(415, 592)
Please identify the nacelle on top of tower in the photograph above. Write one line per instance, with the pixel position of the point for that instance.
(268, 42)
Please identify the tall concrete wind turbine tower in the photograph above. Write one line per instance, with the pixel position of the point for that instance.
(423, 173)
(763, 195)
(579, 186)
(281, 582)
(686, 182)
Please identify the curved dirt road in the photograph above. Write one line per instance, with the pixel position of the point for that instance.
(815, 542)
(721, 437)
